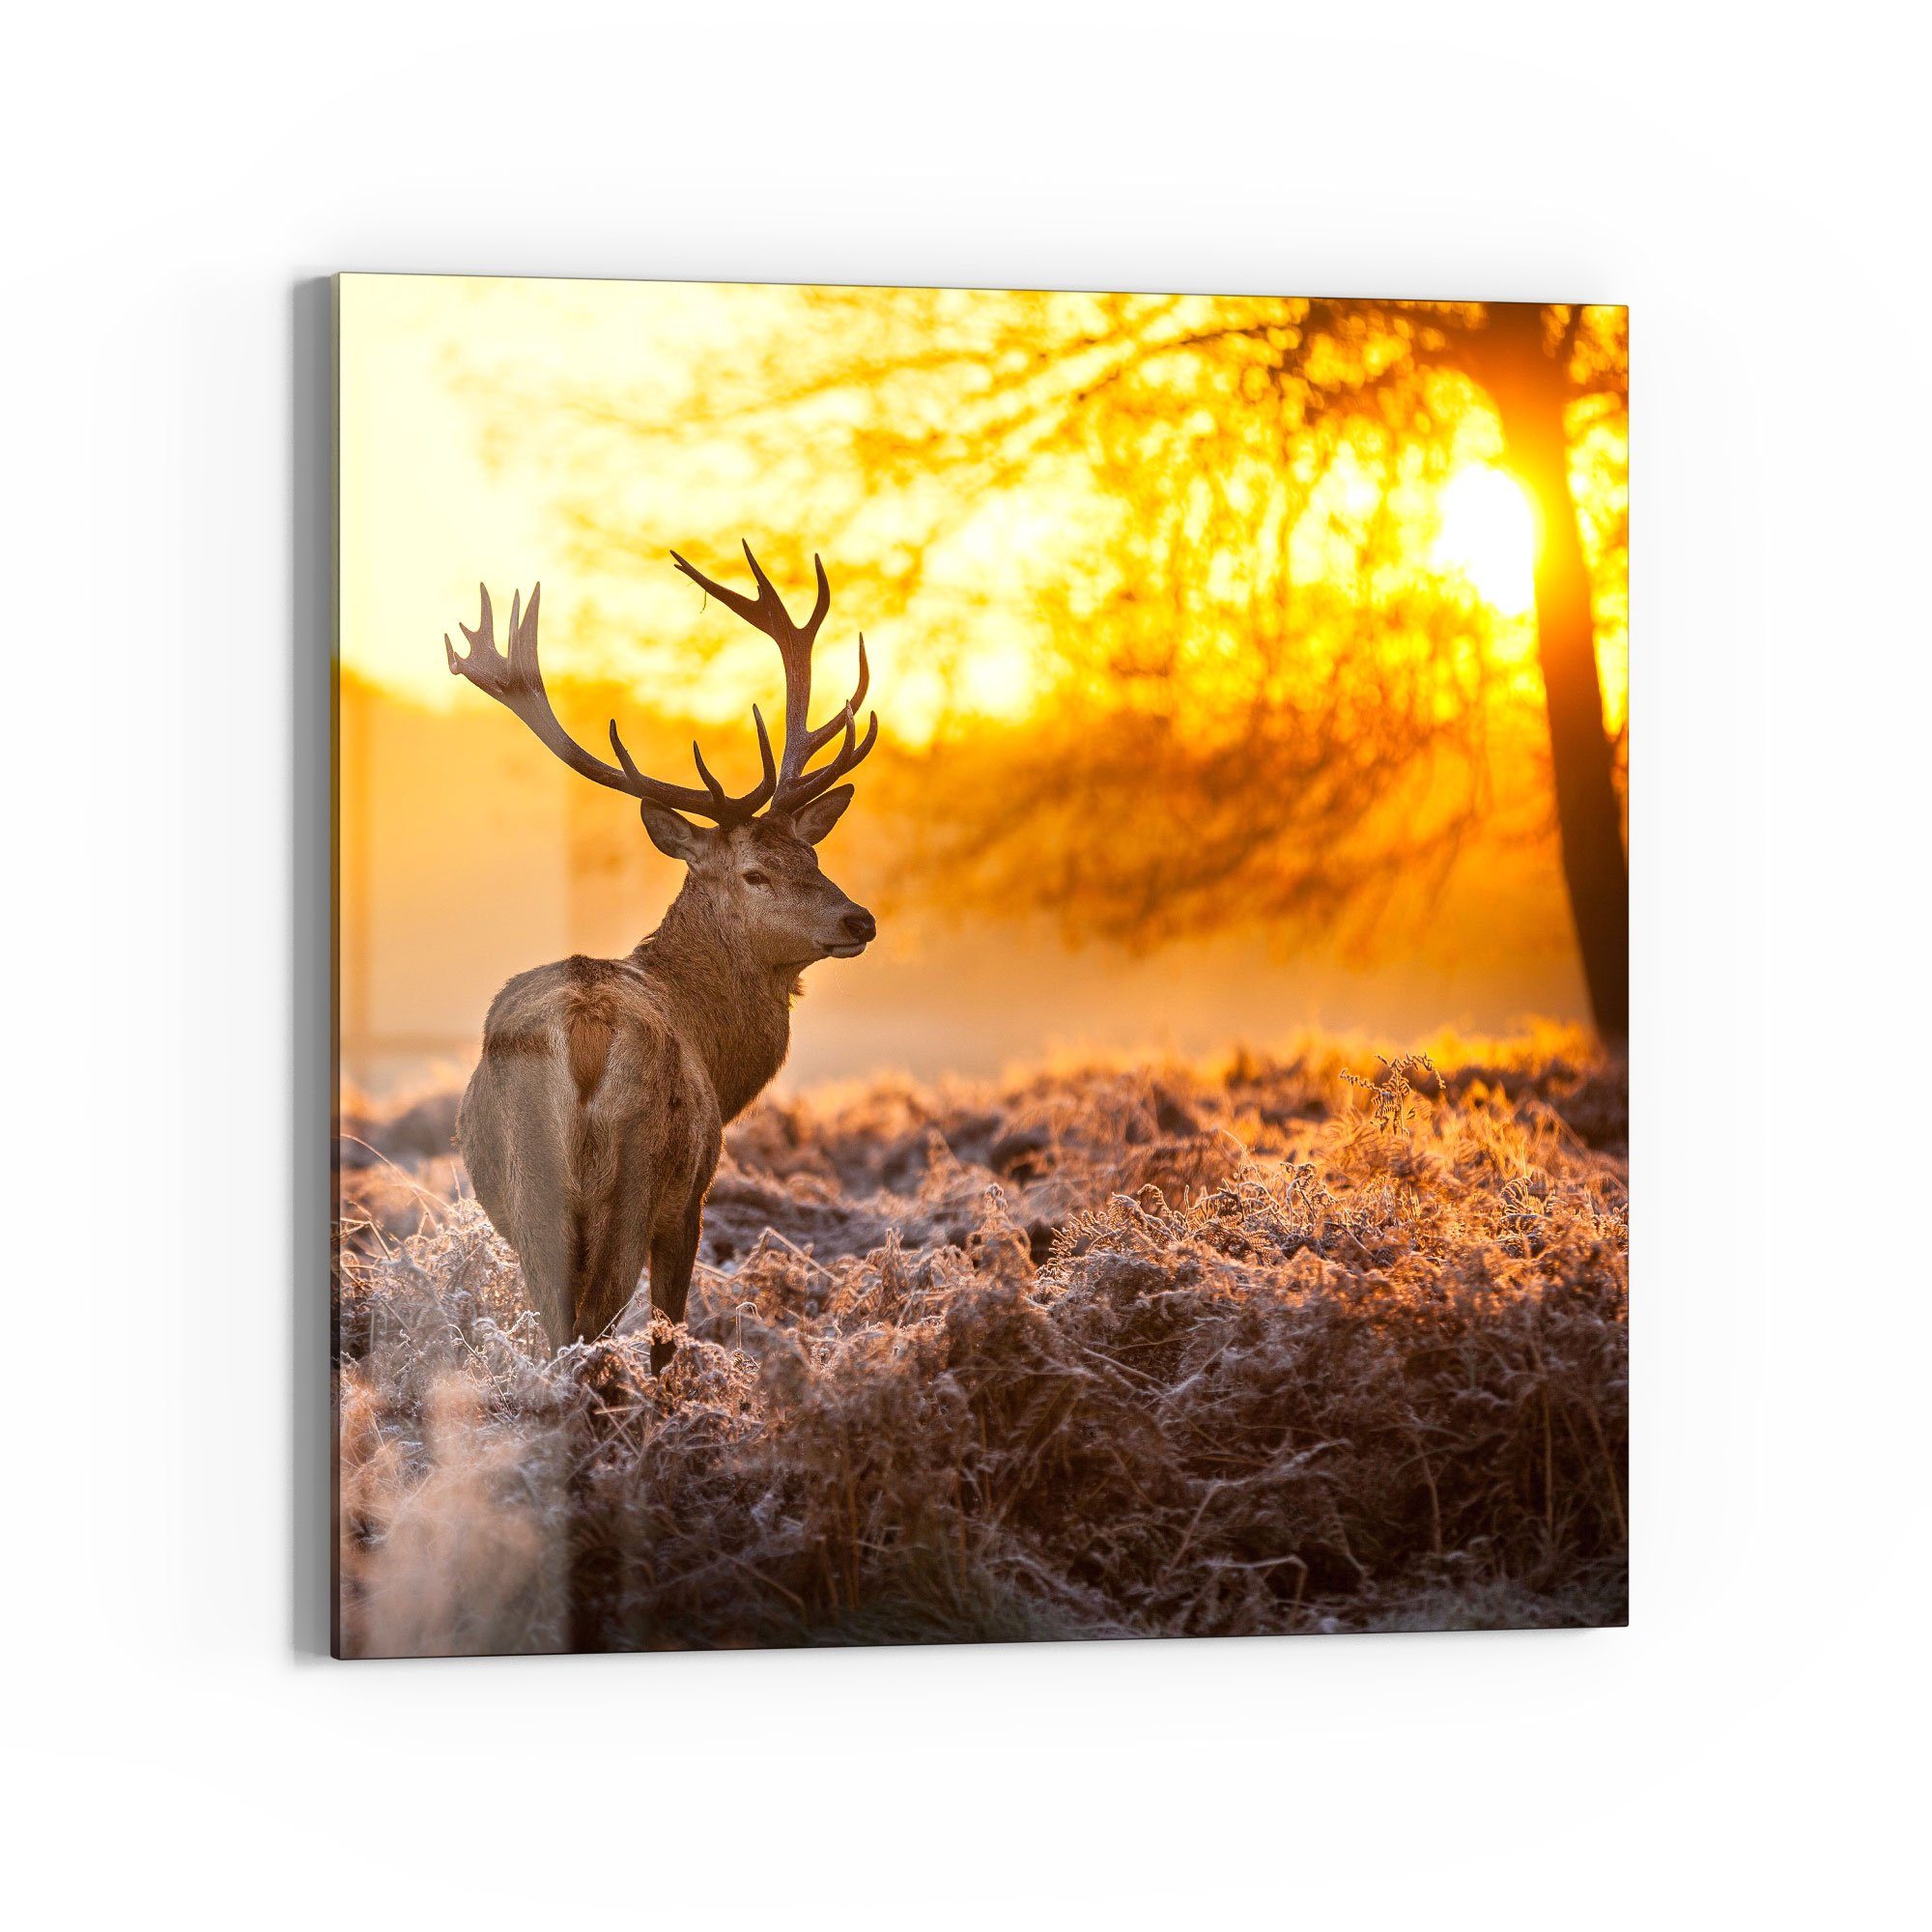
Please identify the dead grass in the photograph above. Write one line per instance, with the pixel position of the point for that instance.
(1103, 1352)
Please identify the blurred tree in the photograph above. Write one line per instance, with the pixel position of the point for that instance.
(1260, 697)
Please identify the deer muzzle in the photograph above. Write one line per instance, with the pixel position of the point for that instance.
(857, 929)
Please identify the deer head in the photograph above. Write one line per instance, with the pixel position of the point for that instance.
(750, 864)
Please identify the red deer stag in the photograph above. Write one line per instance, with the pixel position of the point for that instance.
(591, 1127)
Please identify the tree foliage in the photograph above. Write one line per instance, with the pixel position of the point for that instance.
(1252, 695)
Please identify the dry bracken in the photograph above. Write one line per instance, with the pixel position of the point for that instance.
(1096, 1351)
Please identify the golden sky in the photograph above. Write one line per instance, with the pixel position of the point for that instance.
(437, 493)
(442, 485)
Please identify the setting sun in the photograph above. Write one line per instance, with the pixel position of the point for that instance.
(1487, 534)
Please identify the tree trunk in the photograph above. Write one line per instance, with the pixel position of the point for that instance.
(1529, 389)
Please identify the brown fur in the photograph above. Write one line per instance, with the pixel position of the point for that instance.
(593, 1123)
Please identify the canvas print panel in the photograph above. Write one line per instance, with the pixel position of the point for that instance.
(981, 966)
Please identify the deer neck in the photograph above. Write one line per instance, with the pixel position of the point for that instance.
(735, 1015)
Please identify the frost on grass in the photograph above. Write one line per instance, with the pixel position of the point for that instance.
(1095, 1353)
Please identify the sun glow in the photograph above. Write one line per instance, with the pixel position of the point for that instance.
(1487, 534)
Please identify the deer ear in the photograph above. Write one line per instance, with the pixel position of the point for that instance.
(674, 836)
(812, 822)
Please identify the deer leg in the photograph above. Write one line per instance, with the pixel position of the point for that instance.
(611, 1226)
(672, 1255)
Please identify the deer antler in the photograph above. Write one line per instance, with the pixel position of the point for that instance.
(516, 682)
(797, 786)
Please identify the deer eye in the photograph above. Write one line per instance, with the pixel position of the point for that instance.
(755, 878)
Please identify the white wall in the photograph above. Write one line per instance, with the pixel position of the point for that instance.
(1748, 184)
